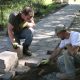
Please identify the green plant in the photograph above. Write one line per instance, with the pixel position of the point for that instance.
(39, 6)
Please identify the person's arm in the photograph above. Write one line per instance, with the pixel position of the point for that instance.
(55, 53)
(11, 33)
(72, 49)
(29, 24)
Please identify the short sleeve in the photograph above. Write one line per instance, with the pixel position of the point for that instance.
(11, 18)
(62, 44)
(75, 39)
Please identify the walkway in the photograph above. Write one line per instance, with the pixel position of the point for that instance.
(44, 36)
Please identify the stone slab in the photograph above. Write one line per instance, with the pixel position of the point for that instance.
(21, 70)
(8, 60)
(31, 62)
(6, 76)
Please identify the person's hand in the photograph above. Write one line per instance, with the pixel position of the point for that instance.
(15, 45)
(45, 61)
(52, 59)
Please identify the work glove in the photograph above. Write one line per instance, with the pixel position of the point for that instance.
(15, 45)
(45, 61)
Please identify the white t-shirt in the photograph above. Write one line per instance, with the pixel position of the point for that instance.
(74, 40)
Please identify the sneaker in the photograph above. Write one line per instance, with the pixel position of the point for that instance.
(64, 76)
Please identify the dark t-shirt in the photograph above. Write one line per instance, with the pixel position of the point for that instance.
(16, 21)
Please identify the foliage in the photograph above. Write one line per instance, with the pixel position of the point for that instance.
(8, 6)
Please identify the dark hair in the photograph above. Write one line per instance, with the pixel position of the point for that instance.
(27, 11)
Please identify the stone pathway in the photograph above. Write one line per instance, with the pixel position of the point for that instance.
(44, 36)
(76, 23)
(75, 27)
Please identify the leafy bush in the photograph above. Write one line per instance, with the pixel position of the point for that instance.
(40, 7)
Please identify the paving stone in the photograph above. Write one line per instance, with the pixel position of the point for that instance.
(21, 70)
(5, 44)
(31, 62)
(8, 60)
(6, 76)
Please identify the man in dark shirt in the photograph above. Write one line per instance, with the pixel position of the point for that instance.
(20, 26)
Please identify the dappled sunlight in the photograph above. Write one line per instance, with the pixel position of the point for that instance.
(5, 44)
(47, 25)
(35, 41)
(44, 44)
(55, 22)
(49, 33)
(61, 12)
(41, 37)
(43, 31)
(74, 2)
(53, 39)
(61, 18)
(75, 29)
(67, 17)
(44, 36)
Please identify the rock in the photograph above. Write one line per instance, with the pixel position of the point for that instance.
(33, 62)
(8, 60)
(21, 70)
(6, 76)
(51, 76)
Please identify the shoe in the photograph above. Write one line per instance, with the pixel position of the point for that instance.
(64, 76)
(26, 50)
(27, 53)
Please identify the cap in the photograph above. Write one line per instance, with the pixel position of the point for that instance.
(59, 28)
